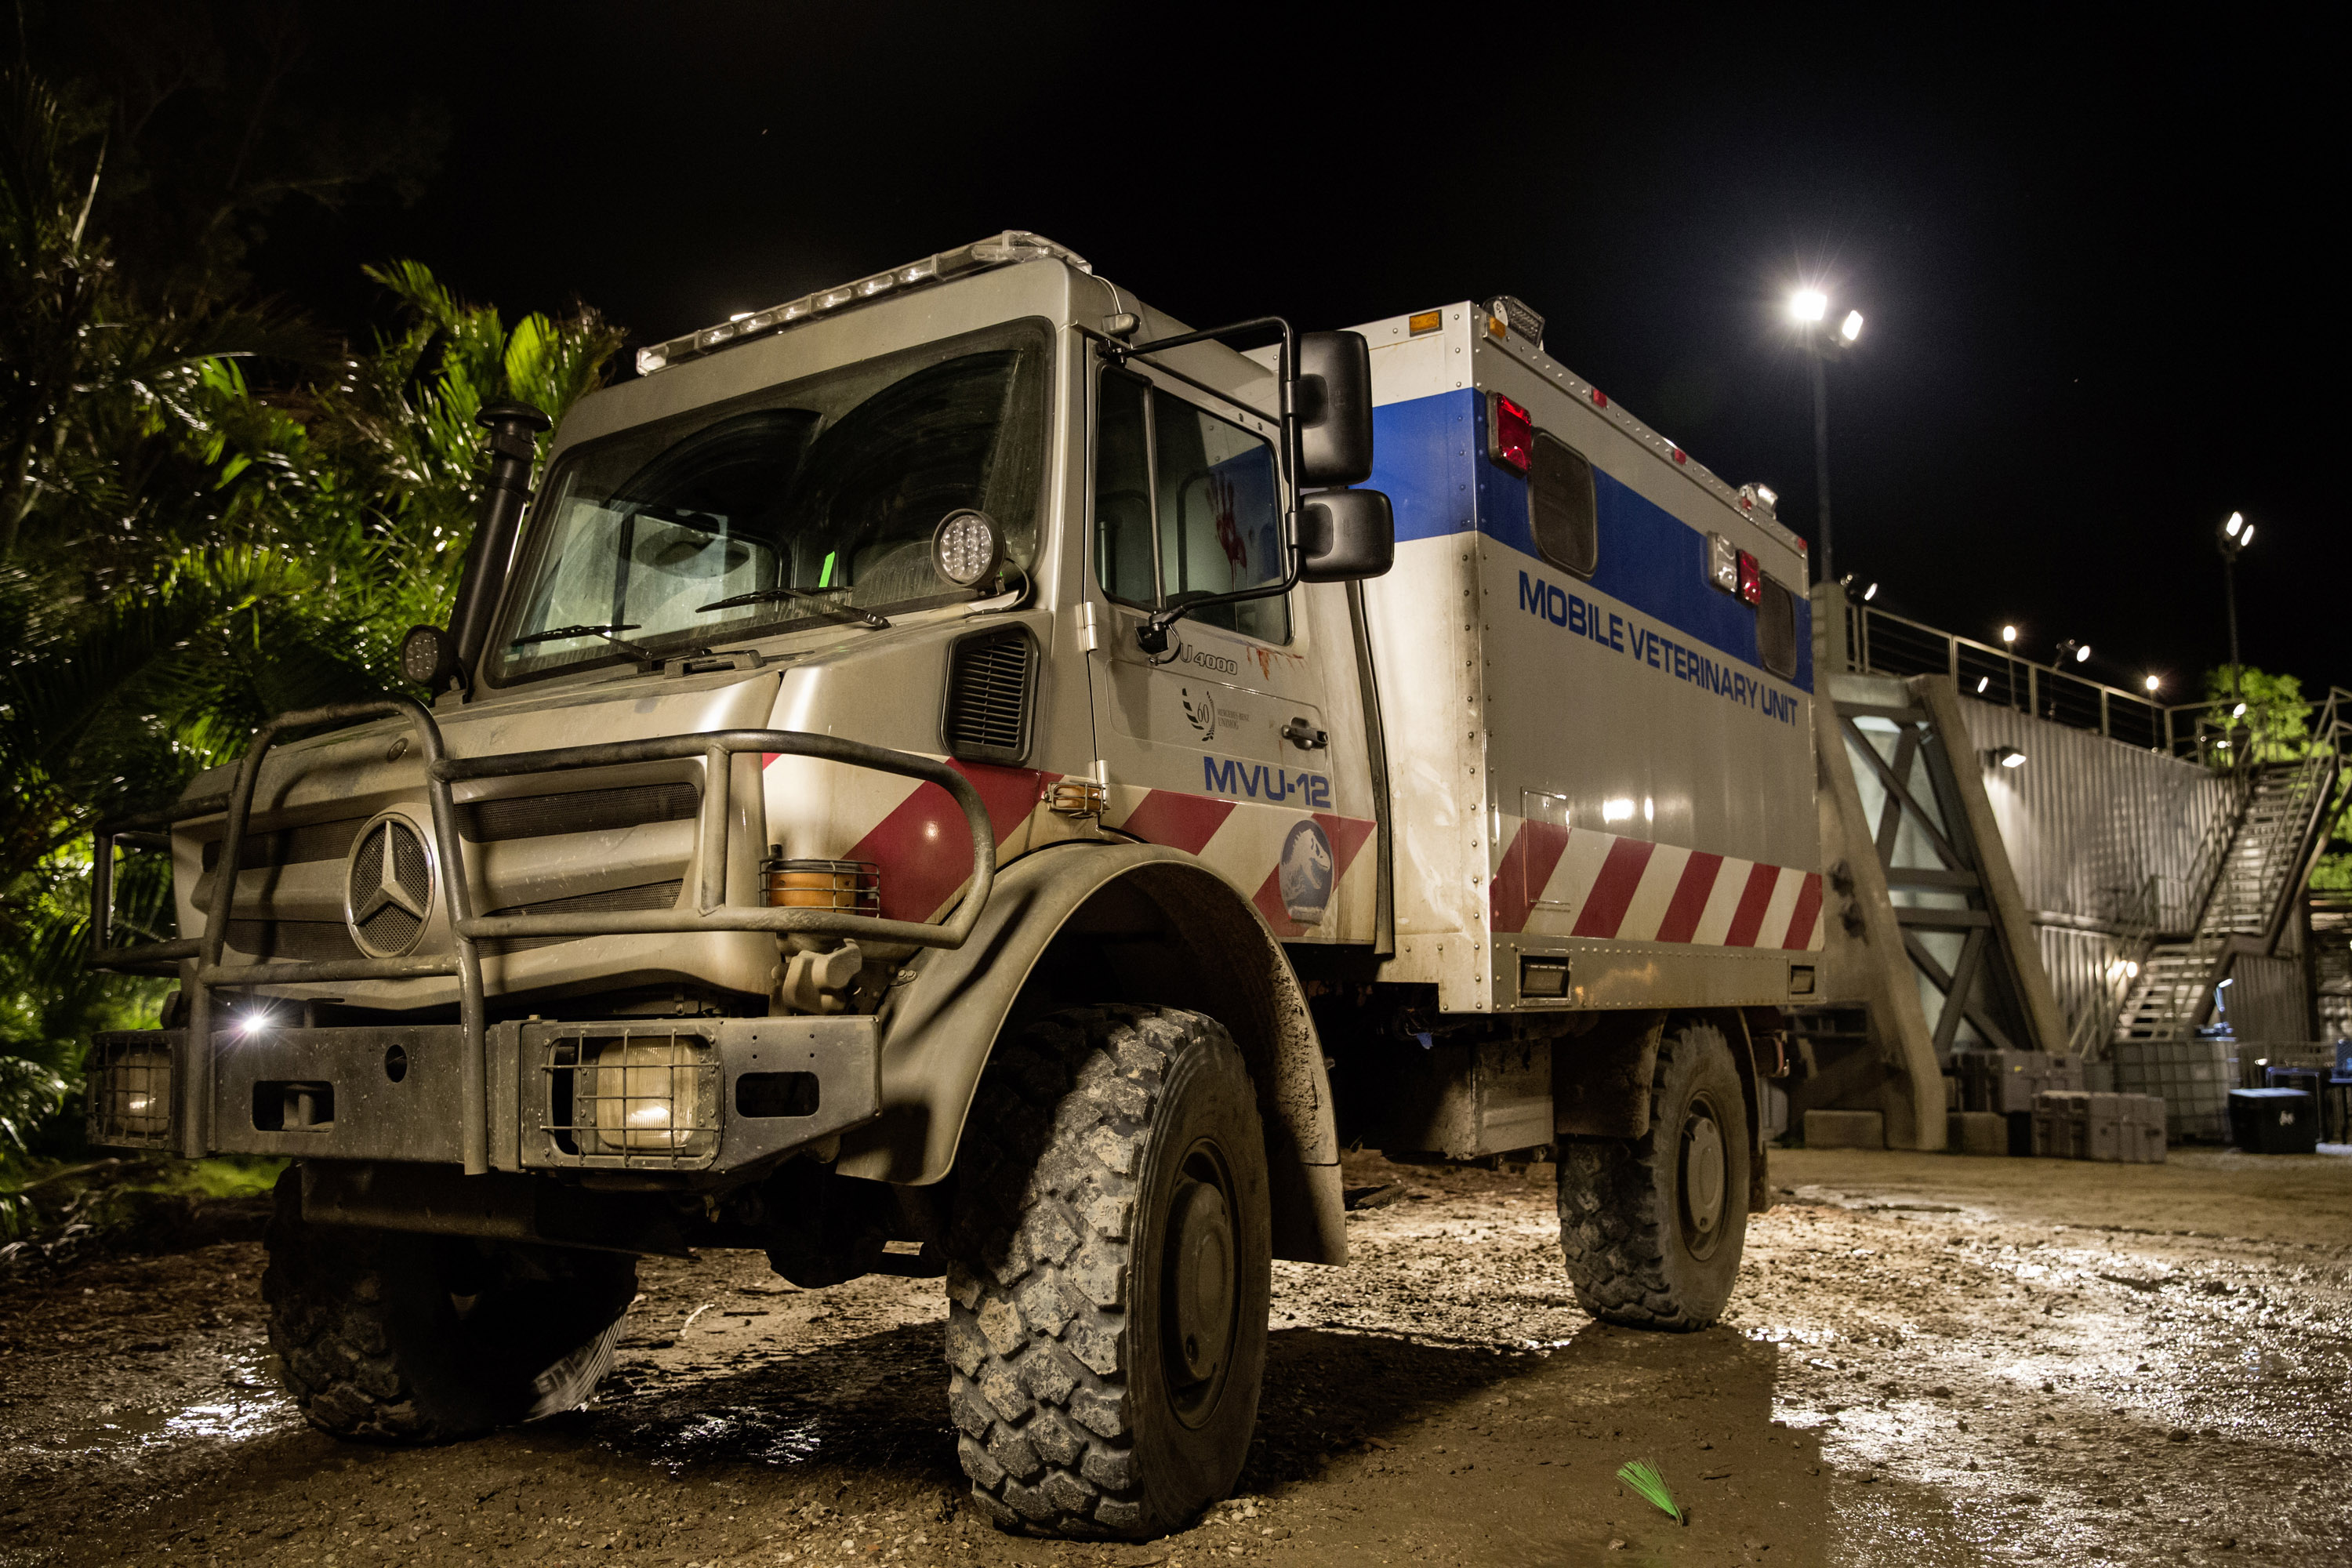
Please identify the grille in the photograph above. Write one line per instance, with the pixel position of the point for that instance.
(990, 676)
(1776, 629)
(630, 1098)
(293, 939)
(584, 811)
(130, 1093)
(291, 846)
(652, 895)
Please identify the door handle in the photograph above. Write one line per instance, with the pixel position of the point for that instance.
(1304, 736)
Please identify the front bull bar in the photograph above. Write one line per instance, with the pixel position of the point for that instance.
(193, 1085)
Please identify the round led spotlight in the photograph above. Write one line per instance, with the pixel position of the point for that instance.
(429, 655)
(966, 548)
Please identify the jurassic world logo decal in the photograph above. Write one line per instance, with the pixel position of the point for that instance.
(1305, 873)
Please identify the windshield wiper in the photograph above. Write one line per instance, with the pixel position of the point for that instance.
(650, 660)
(777, 594)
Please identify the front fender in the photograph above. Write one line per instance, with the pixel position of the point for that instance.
(1210, 952)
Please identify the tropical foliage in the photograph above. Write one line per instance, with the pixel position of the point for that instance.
(209, 514)
(2264, 714)
(2268, 719)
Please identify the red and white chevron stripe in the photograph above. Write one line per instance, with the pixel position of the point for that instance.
(1560, 881)
(1244, 844)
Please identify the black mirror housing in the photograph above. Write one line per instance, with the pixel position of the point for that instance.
(1345, 536)
(1334, 404)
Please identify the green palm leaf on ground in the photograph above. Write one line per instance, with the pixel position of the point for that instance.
(1643, 1478)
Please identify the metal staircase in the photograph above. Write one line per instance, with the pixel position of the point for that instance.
(2255, 858)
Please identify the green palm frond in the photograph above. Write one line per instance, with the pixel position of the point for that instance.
(1643, 1478)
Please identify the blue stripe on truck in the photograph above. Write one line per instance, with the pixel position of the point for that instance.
(1431, 459)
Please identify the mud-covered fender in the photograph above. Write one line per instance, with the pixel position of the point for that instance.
(1154, 926)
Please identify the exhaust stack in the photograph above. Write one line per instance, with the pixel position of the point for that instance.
(512, 427)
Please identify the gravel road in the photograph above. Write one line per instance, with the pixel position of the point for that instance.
(1930, 1361)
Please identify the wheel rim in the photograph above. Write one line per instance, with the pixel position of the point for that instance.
(1703, 1179)
(1200, 1296)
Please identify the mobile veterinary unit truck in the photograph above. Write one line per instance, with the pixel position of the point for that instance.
(943, 778)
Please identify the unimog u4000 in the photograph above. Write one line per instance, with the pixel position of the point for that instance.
(947, 777)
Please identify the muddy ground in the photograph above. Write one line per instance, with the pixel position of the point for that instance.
(1930, 1360)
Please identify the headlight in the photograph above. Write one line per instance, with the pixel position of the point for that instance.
(966, 549)
(650, 1095)
(130, 1094)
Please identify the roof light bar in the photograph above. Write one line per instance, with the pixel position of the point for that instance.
(1013, 245)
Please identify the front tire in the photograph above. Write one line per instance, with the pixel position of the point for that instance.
(1652, 1227)
(1111, 1267)
(391, 1337)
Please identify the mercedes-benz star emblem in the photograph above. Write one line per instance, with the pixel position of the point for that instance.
(388, 889)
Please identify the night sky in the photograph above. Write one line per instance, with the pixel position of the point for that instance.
(2092, 257)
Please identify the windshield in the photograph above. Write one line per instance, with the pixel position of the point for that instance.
(830, 486)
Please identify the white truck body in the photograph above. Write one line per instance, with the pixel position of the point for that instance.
(1593, 766)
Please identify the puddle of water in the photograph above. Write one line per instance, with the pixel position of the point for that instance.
(242, 1401)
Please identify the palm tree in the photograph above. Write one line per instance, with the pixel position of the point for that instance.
(183, 553)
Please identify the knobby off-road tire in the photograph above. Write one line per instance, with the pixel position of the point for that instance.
(1110, 1267)
(1652, 1227)
(385, 1336)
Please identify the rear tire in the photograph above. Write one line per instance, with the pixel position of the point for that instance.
(1111, 1266)
(391, 1337)
(1652, 1227)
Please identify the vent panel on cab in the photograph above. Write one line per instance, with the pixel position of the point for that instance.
(992, 680)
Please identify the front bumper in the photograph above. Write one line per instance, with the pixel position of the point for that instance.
(691, 1096)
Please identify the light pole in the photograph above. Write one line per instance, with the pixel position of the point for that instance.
(1810, 309)
(2235, 535)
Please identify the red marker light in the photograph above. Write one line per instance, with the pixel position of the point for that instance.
(1677, 451)
(1511, 435)
(1600, 398)
(1751, 579)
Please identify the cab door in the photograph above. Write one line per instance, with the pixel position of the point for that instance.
(1243, 743)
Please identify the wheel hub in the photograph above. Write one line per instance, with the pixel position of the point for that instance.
(1200, 1283)
(1703, 1174)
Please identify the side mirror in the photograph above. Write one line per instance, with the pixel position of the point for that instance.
(1333, 399)
(1344, 536)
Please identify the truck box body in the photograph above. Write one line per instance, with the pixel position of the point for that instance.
(1589, 757)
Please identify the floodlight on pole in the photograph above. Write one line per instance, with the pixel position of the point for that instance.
(2153, 683)
(1809, 308)
(2235, 534)
(2009, 636)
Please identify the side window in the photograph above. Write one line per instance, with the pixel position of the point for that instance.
(1123, 554)
(1776, 629)
(1561, 506)
(1204, 490)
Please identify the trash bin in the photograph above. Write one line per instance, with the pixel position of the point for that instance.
(2275, 1121)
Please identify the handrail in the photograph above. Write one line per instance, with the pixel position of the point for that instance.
(2040, 688)
(2135, 933)
(712, 912)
